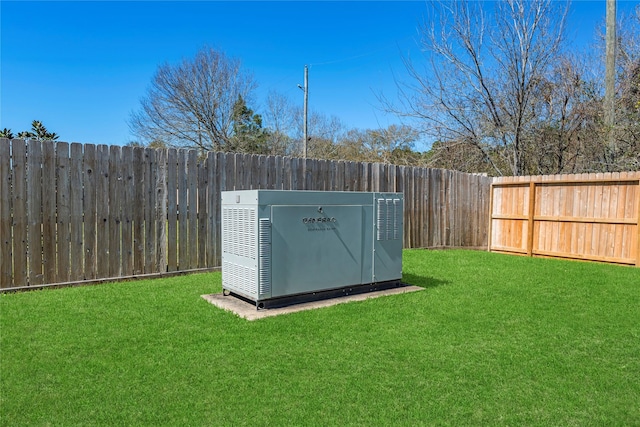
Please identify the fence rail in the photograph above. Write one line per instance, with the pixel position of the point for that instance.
(73, 212)
(587, 216)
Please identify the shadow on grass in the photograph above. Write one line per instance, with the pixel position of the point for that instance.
(422, 281)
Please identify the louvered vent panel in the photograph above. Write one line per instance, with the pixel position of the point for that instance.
(238, 277)
(251, 237)
(226, 220)
(390, 217)
(238, 236)
(381, 222)
(264, 261)
(397, 218)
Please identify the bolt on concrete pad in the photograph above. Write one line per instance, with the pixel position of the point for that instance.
(248, 310)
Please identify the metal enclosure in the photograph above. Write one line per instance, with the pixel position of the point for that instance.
(278, 244)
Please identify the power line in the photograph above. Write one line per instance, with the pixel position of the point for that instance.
(362, 55)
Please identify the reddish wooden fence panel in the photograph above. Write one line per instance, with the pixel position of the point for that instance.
(588, 216)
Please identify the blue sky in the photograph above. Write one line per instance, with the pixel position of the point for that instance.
(81, 67)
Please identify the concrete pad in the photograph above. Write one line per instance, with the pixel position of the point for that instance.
(248, 310)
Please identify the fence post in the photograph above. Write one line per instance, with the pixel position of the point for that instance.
(490, 236)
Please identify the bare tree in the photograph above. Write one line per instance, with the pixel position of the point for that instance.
(284, 119)
(568, 116)
(610, 74)
(329, 137)
(480, 82)
(627, 128)
(192, 104)
(390, 145)
(456, 156)
(280, 113)
(325, 133)
(280, 119)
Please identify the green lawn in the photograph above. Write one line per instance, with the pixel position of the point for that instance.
(492, 340)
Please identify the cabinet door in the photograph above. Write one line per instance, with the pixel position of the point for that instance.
(317, 248)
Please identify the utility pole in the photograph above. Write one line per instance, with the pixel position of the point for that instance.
(610, 76)
(305, 89)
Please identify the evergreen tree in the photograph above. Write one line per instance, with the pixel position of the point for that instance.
(6, 133)
(248, 133)
(38, 132)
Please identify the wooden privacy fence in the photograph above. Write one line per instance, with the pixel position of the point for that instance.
(588, 216)
(72, 212)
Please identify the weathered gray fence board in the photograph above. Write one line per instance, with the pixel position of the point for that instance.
(192, 208)
(76, 219)
(279, 172)
(115, 191)
(90, 174)
(172, 210)
(102, 212)
(423, 195)
(228, 183)
(238, 178)
(202, 213)
(212, 208)
(150, 171)
(6, 229)
(313, 174)
(34, 211)
(299, 167)
(408, 185)
(449, 195)
(262, 172)
(128, 206)
(468, 199)
(462, 197)
(63, 211)
(160, 209)
(324, 176)
(437, 197)
(138, 210)
(20, 218)
(307, 179)
(252, 179)
(182, 211)
(292, 172)
(48, 227)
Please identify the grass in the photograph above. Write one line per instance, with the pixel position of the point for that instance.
(492, 340)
